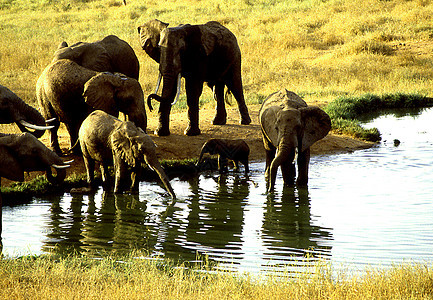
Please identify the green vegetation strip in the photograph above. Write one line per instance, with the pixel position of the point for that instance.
(346, 111)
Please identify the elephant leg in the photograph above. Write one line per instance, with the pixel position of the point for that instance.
(73, 130)
(105, 177)
(164, 119)
(54, 139)
(135, 176)
(288, 170)
(270, 154)
(222, 164)
(236, 165)
(221, 114)
(245, 163)
(90, 169)
(236, 88)
(303, 162)
(194, 89)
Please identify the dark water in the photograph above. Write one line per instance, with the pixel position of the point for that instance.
(366, 208)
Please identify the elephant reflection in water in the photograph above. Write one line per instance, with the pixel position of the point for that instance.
(119, 224)
(288, 226)
(216, 223)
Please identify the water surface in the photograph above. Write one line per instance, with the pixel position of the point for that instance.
(370, 207)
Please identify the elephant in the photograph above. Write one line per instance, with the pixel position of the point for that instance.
(110, 54)
(23, 152)
(106, 139)
(14, 110)
(290, 126)
(199, 53)
(235, 150)
(69, 92)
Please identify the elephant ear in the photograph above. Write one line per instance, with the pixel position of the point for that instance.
(317, 124)
(268, 120)
(99, 93)
(208, 39)
(122, 143)
(10, 167)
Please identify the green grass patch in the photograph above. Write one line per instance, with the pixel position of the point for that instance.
(345, 112)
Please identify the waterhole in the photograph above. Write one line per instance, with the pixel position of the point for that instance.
(369, 207)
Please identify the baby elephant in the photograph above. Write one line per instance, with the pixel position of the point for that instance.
(235, 150)
(108, 140)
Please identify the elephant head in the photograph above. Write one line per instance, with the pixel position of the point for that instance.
(115, 92)
(110, 54)
(149, 34)
(21, 153)
(133, 146)
(289, 126)
(14, 110)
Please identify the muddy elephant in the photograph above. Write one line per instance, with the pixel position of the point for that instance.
(235, 150)
(290, 126)
(199, 53)
(14, 110)
(23, 152)
(106, 139)
(68, 92)
(110, 54)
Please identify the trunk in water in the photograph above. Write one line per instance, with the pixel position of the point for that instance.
(284, 159)
(59, 178)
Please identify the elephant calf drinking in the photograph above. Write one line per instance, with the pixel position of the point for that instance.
(289, 125)
(108, 140)
(235, 150)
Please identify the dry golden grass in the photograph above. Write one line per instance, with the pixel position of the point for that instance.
(319, 49)
(129, 278)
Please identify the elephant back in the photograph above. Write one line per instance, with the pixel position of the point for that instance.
(285, 99)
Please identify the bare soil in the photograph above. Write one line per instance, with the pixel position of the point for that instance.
(177, 146)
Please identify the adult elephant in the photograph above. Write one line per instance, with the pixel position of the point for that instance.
(106, 139)
(110, 54)
(14, 110)
(70, 92)
(199, 53)
(288, 126)
(23, 152)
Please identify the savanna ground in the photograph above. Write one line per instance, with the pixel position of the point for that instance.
(320, 49)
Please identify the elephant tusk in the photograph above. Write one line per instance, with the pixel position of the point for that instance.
(50, 120)
(179, 81)
(68, 162)
(35, 127)
(158, 83)
(60, 167)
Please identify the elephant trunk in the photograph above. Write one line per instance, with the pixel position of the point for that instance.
(202, 152)
(158, 169)
(30, 117)
(169, 90)
(59, 178)
(285, 156)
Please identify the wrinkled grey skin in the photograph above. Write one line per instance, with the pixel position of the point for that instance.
(289, 126)
(110, 54)
(14, 110)
(199, 53)
(235, 150)
(109, 141)
(69, 93)
(23, 152)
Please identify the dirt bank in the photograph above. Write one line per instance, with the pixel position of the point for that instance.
(178, 146)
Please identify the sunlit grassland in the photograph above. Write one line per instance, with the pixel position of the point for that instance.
(47, 277)
(319, 49)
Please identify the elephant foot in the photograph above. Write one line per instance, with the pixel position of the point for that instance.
(245, 120)
(190, 131)
(162, 132)
(220, 119)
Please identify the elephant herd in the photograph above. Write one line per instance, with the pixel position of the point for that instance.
(87, 84)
